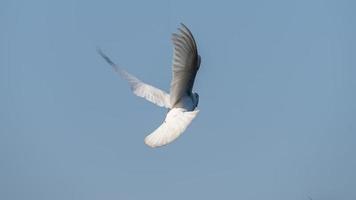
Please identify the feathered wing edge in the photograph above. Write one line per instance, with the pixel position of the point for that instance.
(138, 87)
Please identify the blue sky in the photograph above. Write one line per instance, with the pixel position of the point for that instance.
(276, 86)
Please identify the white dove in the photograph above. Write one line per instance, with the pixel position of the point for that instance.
(181, 101)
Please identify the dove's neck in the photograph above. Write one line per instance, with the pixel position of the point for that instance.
(188, 102)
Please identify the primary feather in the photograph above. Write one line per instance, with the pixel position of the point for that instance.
(139, 88)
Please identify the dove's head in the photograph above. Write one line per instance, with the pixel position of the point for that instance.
(195, 99)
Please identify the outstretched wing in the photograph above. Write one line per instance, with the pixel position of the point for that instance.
(186, 62)
(177, 120)
(140, 88)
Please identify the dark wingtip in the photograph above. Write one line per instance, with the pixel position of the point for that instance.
(101, 53)
(183, 25)
(185, 30)
(107, 59)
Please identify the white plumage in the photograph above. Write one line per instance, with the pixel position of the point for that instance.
(177, 120)
(181, 101)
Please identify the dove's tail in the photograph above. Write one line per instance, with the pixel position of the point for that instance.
(177, 120)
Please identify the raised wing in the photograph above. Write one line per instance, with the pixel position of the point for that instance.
(186, 62)
(177, 120)
(140, 88)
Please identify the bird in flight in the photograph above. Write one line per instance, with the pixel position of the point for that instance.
(181, 101)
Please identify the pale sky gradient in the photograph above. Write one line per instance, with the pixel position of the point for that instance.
(277, 98)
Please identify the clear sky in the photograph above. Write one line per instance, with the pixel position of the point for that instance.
(277, 99)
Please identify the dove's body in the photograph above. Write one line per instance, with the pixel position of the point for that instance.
(188, 102)
(181, 101)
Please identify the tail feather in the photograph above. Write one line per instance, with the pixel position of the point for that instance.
(176, 122)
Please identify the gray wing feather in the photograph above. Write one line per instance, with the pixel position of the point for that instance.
(186, 61)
